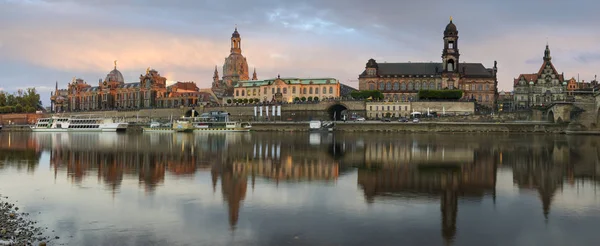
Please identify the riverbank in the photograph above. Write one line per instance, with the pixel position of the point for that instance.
(16, 228)
(377, 126)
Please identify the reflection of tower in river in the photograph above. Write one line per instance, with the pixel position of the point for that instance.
(398, 169)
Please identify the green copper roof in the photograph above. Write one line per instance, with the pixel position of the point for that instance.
(291, 81)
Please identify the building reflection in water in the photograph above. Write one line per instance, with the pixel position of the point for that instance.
(447, 168)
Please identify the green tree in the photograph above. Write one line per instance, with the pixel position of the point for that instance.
(19, 108)
(310, 99)
(303, 99)
(297, 99)
(316, 99)
(2, 98)
(229, 101)
(245, 100)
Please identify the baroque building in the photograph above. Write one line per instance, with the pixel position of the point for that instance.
(541, 88)
(288, 89)
(235, 69)
(402, 81)
(113, 93)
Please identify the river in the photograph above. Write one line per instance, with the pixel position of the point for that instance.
(306, 189)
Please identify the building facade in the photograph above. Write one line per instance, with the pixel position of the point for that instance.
(402, 81)
(288, 90)
(541, 88)
(113, 93)
(235, 68)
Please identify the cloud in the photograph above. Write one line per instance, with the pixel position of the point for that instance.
(185, 39)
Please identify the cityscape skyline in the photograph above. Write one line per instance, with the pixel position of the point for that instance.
(312, 39)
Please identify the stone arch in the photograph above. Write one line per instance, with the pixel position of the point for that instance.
(550, 116)
(189, 113)
(337, 110)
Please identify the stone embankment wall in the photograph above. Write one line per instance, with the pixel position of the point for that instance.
(19, 119)
(419, 127)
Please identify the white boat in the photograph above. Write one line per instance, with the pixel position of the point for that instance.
(217, 121)
(86, 123)
(319, 126)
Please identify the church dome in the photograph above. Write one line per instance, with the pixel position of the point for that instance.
(115, 76)
(450, 29)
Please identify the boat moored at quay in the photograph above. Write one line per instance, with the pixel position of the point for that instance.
(86, 123)
(215, 121)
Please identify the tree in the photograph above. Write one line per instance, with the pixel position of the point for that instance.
(316, 99)
(245, 100)
(297, 99)
(256, 100)
(310, 99)
(366, 94)
(303, 99)
(440, 94)
(229, 101)
(2, 99)
(19, 108)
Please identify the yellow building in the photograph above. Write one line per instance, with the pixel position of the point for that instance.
(287, 89)
(388, 109)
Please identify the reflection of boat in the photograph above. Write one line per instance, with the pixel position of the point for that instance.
(319, 126)
(78, 124)
(217, 121)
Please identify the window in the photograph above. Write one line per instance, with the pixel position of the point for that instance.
(403, 98)
(317, 90)
(417, 86)
(284, 90)
(265, 91)
(237, 93)
(376, 107)
(388, 108)
(371, 108)
(479, 87)
(310, 91)
(294, 90)
(381, 86)
(479, 98)
(304, 91)
(394, 107)
(410, 86)
(451, 45)
(487, 87)
(487, 98)
(402, 86)
(324, 90)
(243, 93)
(272, 90)
(330, 89)
(371, 86)
(388, 86)
(439, 87)
(254, 92)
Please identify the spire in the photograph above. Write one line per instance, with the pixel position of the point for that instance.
(450, 19)
(278, 76)
(56, 86)
(547, 56)
(216, 73)
(115, 64)
(254, 75)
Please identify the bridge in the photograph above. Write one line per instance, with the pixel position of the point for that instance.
(582, 114)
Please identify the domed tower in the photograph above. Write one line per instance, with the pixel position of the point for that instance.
(450, 53)
(114, 76)
(236, 67)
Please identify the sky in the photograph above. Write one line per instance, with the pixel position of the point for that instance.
(47, 41)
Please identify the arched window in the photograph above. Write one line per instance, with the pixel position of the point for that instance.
(254, 92)
(417, 86)
(330, 89)
(432, 85)
(487, 87)
(450, 65)
(237, 93)
(304, 90)
(317, 90)
(479, 87)
(381, 86)
(388, 86)
(439, 86)
(294, 90)
(272, 90)
(284, 90)
(410, 86)
(372, 86)
(479, 98)
(324, 90)
(402, 86)
(403, 98)
(243, 92)
(265, 90)
(395, 97)
(278, 90)
(396, 86)
(487, 98)
(310, 90)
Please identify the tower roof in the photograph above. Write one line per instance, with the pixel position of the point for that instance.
(235, 34)
(450, 29)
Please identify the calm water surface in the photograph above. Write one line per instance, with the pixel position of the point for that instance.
(306, 189)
